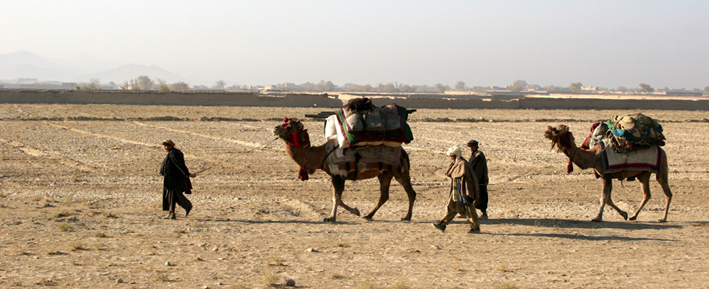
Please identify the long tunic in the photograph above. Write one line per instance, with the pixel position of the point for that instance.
(175, 172)
(479, 164)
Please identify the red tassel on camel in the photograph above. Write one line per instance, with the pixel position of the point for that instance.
(303, 174)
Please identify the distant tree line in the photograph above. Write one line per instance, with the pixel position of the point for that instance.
(144, 82)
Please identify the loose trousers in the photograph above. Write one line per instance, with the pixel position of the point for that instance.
(170, 198)
(482, 203)
(469, 212)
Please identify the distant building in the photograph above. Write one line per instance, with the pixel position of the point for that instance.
(68, 85)
(26, 80)
(683, 93)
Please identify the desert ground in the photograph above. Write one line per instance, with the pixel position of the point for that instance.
(80, 205)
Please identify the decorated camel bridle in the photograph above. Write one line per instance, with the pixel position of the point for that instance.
(563, 140)
(298, 138)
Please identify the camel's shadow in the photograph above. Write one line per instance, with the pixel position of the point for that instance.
(578, 224)
(305, 222)
(575, 224)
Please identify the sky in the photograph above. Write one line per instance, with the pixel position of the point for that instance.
(482, 43)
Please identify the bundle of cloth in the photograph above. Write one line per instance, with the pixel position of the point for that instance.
(632, 132)
(361, 123)
(348, 163)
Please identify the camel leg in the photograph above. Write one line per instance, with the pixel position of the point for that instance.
(609, 202)
(338, 185)
(405, 182)
(662, 179)
(384, 183)
(606, 199)
(644, 179)
(607, 187)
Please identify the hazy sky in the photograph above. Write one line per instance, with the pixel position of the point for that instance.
(601, 43)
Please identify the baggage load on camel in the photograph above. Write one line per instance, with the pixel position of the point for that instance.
(634, 131)
(360, 123)
(348, 162)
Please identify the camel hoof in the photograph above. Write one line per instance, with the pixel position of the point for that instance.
(596, 220)
(368, 218)
(355, 211)
(633, 218)
(329, 220)
(406, 219)
(625, 215)
(662, 220)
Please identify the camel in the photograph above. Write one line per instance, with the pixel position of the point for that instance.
(584, 159)
(312, 158)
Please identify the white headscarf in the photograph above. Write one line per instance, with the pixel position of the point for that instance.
(455, 151)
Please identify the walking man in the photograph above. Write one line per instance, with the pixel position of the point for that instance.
(177, 181)
(479, 164)
(463, 193)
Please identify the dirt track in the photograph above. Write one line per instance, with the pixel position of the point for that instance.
(80, 206)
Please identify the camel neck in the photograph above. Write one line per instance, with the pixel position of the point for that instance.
(584, 159)
(310, 158)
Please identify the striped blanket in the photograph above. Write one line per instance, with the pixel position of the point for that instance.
(649, 159)
(351, 161)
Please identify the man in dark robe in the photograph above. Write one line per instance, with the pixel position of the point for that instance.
(479, 164)
(176, 181)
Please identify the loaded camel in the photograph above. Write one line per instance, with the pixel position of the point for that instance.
(312, 158)
(591, 158)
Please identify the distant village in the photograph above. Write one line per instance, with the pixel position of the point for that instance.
(517, 88)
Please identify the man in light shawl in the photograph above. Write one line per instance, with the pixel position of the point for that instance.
(464, 192)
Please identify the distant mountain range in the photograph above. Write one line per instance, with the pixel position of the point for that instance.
(25, 64)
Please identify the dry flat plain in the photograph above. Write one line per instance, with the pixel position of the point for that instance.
(80, 206)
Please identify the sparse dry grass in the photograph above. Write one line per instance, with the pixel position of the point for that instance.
(62, 214)
(400, 285)
(276, 261)
(64, 228)
(269, 279)
(504, 267)
(46, 282)
(366, 285)
(162, 277)
(76, 246)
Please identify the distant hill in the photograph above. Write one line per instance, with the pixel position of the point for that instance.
(41, 73)
(10, 60)
(25, 64)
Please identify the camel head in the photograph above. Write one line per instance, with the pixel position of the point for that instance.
(560, 136)
(292, 132)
